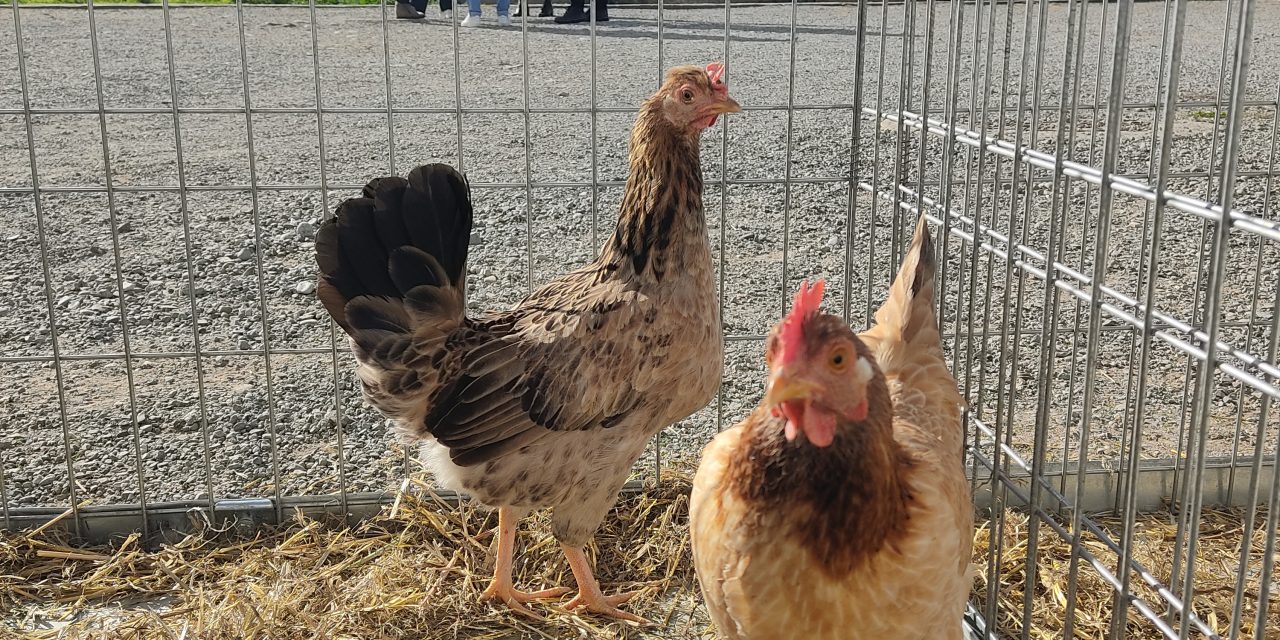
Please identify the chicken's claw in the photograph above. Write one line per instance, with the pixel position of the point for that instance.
(516, 599)
(596, 602)
(501, 587)
(589, 595)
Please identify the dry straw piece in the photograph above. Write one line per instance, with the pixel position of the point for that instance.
(1218, 558)
(416, 571)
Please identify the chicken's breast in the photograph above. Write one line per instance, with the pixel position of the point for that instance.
(761, 585)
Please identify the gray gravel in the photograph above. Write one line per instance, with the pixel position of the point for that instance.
(248, 255)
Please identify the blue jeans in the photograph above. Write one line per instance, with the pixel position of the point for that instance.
(504, 6)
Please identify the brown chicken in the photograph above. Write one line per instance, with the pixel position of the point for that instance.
(548, 404)
(839, 508)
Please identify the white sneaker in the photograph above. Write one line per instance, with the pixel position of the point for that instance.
(504, 21)
(447, 14)
(471, 21)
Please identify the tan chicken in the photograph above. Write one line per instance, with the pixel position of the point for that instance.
(839, 508)
(548, 404)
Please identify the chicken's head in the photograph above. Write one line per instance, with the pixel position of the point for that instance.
(692, 98)
(818, 371)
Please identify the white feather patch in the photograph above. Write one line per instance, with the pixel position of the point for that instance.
(862, 371)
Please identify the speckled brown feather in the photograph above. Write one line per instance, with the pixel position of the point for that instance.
(867, 538)
(549, 403)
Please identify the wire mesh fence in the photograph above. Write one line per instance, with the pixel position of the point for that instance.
(1103, 174)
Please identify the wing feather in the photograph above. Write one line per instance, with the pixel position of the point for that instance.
(536, 369)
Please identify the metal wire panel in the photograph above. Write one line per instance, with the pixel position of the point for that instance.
(1100, 176)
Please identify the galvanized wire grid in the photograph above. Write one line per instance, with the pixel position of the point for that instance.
(966, 145)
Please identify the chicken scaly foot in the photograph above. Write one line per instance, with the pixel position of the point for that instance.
(515, 599)
(589, 594)
(607, 605)
(502, 588)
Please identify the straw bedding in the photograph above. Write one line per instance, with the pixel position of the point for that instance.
(1218, 560)
(416, 571)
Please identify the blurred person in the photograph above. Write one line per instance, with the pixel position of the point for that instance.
(416, 9)
(473, 13)
(546, 12)
(576, 12)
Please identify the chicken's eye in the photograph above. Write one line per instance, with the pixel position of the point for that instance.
(686, 95)
(839, 360)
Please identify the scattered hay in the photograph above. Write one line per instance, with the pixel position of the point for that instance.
(1218, 557)
(418, 569)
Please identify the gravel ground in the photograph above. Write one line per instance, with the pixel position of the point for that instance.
(246, 253)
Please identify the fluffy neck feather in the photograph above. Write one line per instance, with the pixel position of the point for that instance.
(662, 204)
(844, 502)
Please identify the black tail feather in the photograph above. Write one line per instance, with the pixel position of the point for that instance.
(404, 238)
(444, 237)
(363, 255)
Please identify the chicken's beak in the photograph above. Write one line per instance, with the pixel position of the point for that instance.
(725, 105)
(784, 387)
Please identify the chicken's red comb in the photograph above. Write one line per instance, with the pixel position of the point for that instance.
(806, 304)
(715, 72)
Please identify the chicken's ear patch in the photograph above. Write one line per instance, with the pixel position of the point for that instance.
(807, 301)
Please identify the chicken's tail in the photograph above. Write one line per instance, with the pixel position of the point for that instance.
(393, 262)
(908, 346)
(908, 316)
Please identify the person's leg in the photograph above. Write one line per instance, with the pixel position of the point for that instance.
(405, 10)
(522, 5)
(574, 14)
(504, 7)
(446, 8)
(473, 14)
(602, 10)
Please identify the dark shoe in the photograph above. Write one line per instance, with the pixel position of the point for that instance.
(545, 13)
(405, 11)
(573, 15)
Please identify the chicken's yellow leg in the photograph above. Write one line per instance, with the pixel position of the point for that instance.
(501, 587)
(589, 594)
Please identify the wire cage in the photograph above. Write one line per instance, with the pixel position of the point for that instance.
(1100, 178)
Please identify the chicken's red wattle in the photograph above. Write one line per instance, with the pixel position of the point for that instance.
(818, 425)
